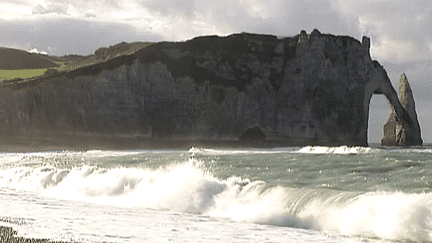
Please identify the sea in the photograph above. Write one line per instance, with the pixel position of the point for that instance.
(287, 194)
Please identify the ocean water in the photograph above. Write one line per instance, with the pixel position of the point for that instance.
(304, 194)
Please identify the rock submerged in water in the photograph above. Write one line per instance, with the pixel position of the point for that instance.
(303, 90)
(405, 130)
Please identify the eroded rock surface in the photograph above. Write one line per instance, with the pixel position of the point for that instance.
(303, 90)
(403, 130)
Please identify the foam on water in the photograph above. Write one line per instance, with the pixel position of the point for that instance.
(223, 151)
(306, 150)
(188, 187)
(335, 150)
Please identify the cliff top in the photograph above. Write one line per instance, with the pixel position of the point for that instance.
(14, 59)
(228, 49)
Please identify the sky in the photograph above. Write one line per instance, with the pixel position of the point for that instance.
(400, 31)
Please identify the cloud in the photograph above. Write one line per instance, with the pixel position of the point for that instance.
(51, 8)
(400, 30)
(176, 7)
(90, 15)
(35, 50)
(13, 9)
(184, 19)
(68, 36)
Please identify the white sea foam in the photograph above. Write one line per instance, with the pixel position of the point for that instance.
(201, 151)
(188, 187)
(335, 150)
(44, 158)
(307, 150)
(416, 150)
(395, 216)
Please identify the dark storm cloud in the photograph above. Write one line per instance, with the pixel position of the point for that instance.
(67, 36)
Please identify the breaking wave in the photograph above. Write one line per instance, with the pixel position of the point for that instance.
(189, 187)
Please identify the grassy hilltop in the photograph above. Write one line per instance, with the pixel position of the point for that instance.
(19, 64)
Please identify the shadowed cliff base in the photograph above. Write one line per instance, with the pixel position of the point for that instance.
(310, 89)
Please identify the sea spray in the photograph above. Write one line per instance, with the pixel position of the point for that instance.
(242, 186)
(396, 216)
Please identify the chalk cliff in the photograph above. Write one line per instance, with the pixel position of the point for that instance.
(310, 89)
(403, 132)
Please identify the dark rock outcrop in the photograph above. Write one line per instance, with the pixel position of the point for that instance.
(106, 53)
(303, 90)
(403, 130)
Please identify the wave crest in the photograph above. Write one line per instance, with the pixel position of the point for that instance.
(189, 187)
(335, 150)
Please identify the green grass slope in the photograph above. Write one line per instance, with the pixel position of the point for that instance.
(12, 59)
(16, 65)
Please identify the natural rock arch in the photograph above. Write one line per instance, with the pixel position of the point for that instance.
(402, 127)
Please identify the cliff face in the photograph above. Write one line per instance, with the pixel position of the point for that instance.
(309, 89)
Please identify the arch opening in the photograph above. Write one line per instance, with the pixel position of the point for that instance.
(379, 112)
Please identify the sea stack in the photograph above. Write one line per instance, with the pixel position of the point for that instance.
(403, 131)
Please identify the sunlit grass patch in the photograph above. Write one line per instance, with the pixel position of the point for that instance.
(68, 67)
(63, 66)
(21, 73)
